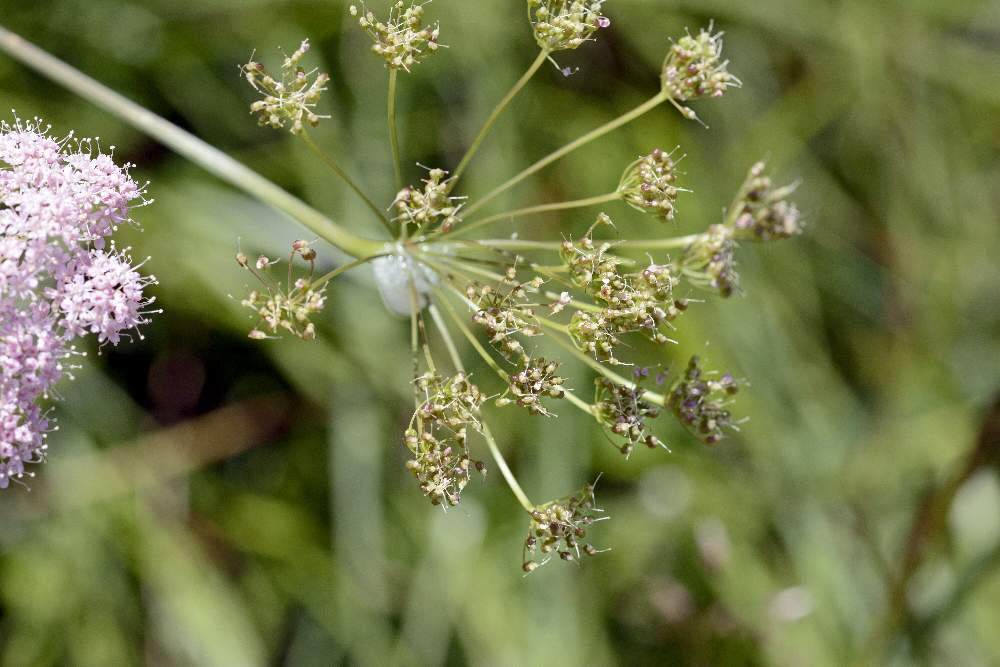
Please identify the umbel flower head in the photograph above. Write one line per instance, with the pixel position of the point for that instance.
(293, 98)
(560, 25)
(430, 207)
(505, 312)
(694, 67)
(402, 39)
(535, 380)
(709, 262)
(762, 212)
(596, 300)
(650, 185)
(759, 212)
(61, 276)
(438, 436)
(622, 409)
(625, 302)
(287, 305)
(559, 528)
(700, 401)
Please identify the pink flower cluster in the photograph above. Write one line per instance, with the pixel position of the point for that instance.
(61, 277)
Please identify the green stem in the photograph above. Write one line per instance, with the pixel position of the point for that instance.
(660, 244)
(580, 403)
(508, 476)
(464, 267)
(208, 157)
(541, 208)
(518, 244)
(415, 342)
(488, 125)
(643, 108)
(393, 136)
(343, 269)
(337, 169)
(640, 244)
(491, 443)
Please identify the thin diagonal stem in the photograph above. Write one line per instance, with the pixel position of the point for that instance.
(206, 156)
(393, 135)
(488, 125)
(517, 244)
(541, 208)
(643, 108)
(337, 169)
(639, 244)
(580, 403)
(660, 244)
(491, 443)
(327, 277)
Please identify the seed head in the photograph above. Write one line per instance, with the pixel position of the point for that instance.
(559, 528)
(694, 69)
(624, 412)
(762, 212)
(560, 25)
(402, 40)
(710, 261)
(640, 302)
(699, 400)
(284, 305)
(438, 436)
(649, 185)
(429, 208)
(290, 100)
(507, 313)
(593, 333)
(535, 380)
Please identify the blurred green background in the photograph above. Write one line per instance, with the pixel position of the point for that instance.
(209, 501)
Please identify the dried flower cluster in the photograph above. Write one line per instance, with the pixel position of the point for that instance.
(709, 262)
(438, 436)
(561, 25)
(624, 411)
(293, 98)
(536, 380)
(428, 208)
(504, 311)
(649, 185)
(759, 213)
(625, 302)
(402, 40)
(285, 305)
(605, 302)
(762, 212)
(61, 275)
(694, 68)
(700, 399)
(560, 528)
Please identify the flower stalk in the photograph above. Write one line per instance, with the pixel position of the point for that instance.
(470, 153)
(540, 208)
(597, 133)
(350, 182)
(393, 132)
(201, 153)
